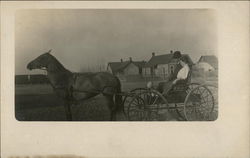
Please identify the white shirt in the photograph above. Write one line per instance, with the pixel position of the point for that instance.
(183, 73)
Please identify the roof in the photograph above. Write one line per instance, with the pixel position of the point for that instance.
(119, 66)
(210, 59)
(139, 63)
(205, 66)
(165, 59)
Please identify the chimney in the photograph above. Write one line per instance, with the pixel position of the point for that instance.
(153, 54)
(121, 60)
(171, 52)
(130, 59)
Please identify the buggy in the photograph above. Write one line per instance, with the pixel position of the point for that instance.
(187, 101)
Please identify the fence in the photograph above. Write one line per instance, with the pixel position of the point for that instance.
(31, 79)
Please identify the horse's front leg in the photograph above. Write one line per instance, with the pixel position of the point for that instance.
(111, 106)
(67, 107)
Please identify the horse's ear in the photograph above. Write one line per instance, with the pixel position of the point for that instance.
(49, 51)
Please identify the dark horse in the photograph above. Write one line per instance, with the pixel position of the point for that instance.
(74, 87)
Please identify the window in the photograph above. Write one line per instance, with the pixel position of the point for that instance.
(171, 69)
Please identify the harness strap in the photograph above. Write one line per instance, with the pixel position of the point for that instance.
(70, 89)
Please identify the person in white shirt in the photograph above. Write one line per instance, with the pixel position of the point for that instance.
(182, 75)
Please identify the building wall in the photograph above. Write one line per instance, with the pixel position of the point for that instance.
(171, 68)
(146, 71)
(131, 69)
(109, 69)
(162, 70)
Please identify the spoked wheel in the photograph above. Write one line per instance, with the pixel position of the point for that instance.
(127, 99)
(180, 107)
(192, 86)
(145, 106)
(199, 104)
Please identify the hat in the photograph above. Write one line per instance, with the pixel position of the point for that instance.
(177, 55)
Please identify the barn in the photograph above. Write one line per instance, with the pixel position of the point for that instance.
(208, 62)
(204, 66)
(126, 69)
(162, 65)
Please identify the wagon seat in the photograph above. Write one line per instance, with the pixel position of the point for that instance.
(179, 91)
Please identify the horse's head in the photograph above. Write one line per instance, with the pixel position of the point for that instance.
(40, 62)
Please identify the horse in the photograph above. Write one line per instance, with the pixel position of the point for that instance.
(76, 87)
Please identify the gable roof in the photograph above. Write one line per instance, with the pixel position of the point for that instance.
(210, 59)
(119, 66)
(165, 59)
(139, 64)
(205, 66)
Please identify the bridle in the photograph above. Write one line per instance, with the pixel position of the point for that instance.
(43, 68)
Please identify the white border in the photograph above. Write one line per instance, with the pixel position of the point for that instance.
(226, 137)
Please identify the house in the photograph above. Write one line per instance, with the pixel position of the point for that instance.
(126, 68)
(204, 66)
(162, 65)
(208, 62)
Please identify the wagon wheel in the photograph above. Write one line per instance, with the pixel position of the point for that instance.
(199, 104)
(192, 86)
(127, 99)
(180, 107)
(145, 106)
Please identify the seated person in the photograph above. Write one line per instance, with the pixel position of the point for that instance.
(180, 74)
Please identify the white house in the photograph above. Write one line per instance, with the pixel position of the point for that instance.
(208, 62)
(204, 66)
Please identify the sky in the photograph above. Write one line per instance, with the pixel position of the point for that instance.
(83, 39)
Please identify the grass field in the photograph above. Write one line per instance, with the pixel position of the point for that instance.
(39, 103)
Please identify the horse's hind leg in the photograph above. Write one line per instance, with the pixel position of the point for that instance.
(112, 111)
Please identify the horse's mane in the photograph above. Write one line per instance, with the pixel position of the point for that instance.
(57, 65)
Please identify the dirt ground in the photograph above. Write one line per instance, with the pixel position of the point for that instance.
(39, 103)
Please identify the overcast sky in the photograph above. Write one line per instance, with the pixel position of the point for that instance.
(88, 38)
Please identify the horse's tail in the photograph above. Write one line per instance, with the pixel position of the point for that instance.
(118, 97)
